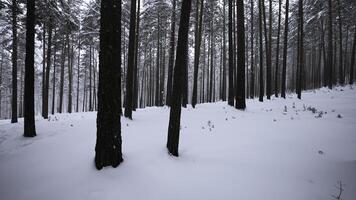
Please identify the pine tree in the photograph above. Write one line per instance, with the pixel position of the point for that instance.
(261, 50)
(171, 55)
(130, 64)
(181, 63)
(285, 48)
(29, 111)
(108, 143)
(14, 62)
(231, 59)
(240, 88)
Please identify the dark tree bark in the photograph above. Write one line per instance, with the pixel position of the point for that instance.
(44, 70)
(198, 38)
(70, 76)
(181, 63)
(240, 88)
(61, 86)
(329, 66)
(268, 53)
(285, 48)
(171, 55)
(130, 62)
(46, 91)
(231, 59)
(223, 92)
(29, 111)
(54, 74)
(158, 64)
(90, 78)
(135, 98)
(78, 76)
(14, 62)
(300, 69)
(261, 51)
(276, 77)
(108, 143)
(351, 81)
(252, 74)
(341, 57)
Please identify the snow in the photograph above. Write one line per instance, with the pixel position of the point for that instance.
(261, 153)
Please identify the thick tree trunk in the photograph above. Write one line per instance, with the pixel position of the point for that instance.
(300, 69)
(14, 63)
(285, 51)
(130, 62)
(181, 63)
(108, 141)
(240, 88)
(29, 111)
(171, 55)
(198, 38)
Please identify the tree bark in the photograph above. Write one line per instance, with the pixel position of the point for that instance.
(181, 63)
(231, 59)
(29, 111)
(285, 51)
(14, 62)
(108, 142)
(130, 64)
(276, 77)
(46, 91)
(261, 51)
(240, 88)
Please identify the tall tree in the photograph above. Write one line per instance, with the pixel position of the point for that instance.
(300, 65)
(240, 88)
(285, 48)
(223, 88)
(198, 38)
(108, 143)
(252, 67)
(341, 57)
(29, 111)
(171, 55)
(181, 63)
(329, 65)
(261, 50)
(14, 62)
(130, 62)
(231, 59)
(268, 53)
(276, 77)
(46, 90)
(351, 81)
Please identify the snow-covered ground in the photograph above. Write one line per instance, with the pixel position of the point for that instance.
(280, 149)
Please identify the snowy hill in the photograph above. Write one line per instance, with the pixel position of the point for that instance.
(279, 149)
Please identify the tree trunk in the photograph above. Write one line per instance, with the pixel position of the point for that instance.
(78, 76)
(29, 112)
(341, 57)
(14, 63)
(130, 62)
(61, 87)
(252, 74)
(300, 69)
(70, 76)
(330, 47)
(171, 55)
(108, 141)
(157, 94)
(54, 74)
(135, 94)
(231, 59)
(268, 54)
(261, 51)
(44, 71)
(276, 77)
(240, 88)
(198, 38)
(285, 50)
(181, 63)
(90, 78)
(353, 60)
(46, 91)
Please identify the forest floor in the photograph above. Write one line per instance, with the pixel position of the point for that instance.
(276, 150)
